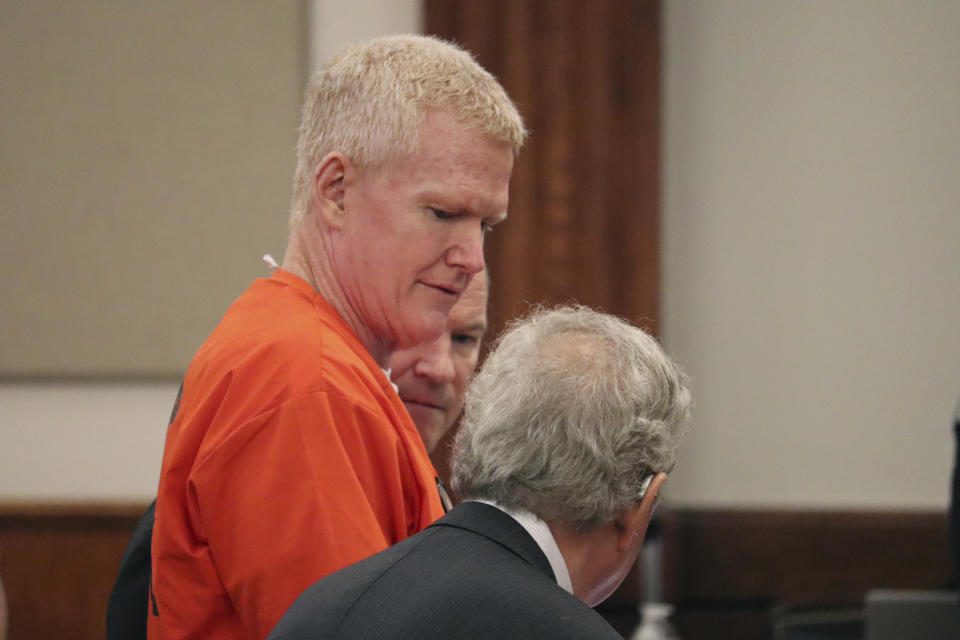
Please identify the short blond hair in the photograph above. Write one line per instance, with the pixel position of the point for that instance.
(368, 102)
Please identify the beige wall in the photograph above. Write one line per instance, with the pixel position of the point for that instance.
(810, 258)
(333, 24)
(812, 262)
(84, 442)
(104, 440)
(145, 169)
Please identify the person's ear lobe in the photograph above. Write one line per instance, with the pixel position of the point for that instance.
(328, 193)
(632, 523)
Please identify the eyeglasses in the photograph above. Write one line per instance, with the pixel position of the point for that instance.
(643, 492)
(645, 485)
(445, 498)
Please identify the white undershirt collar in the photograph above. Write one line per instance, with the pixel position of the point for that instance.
(393, 384)
(541, 534)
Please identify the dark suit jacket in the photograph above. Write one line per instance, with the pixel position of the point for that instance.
(955, 502)
(127, 608)
(473, 574)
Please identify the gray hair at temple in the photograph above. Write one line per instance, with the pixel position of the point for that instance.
(368, 103)
(571, 413)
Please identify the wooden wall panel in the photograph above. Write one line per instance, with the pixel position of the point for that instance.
(584, 219)
(728, 569)
(58, 564)
(584, 212)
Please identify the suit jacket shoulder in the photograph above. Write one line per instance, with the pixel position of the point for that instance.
(475, 574)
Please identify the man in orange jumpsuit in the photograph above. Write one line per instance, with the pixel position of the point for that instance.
(290, 454)
(431, 379)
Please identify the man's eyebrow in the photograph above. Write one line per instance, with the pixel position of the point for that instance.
(463, 202)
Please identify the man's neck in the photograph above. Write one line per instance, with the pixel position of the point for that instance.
(585, 554)
(313, 267)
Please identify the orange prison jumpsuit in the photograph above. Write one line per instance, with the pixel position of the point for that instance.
(290, 456)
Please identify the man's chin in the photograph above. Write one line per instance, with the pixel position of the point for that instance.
(428, 420)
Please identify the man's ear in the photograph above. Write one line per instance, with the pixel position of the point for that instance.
(632, 522)
(327, 196)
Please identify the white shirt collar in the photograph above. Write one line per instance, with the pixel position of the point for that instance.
(393, 384)
(541, 534)
(269, 261)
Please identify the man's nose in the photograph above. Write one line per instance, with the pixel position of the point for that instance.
(435, 362)
(467, 252)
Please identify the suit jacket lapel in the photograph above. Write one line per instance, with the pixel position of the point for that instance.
(496, 525)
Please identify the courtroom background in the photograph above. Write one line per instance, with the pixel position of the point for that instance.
(770, 186)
